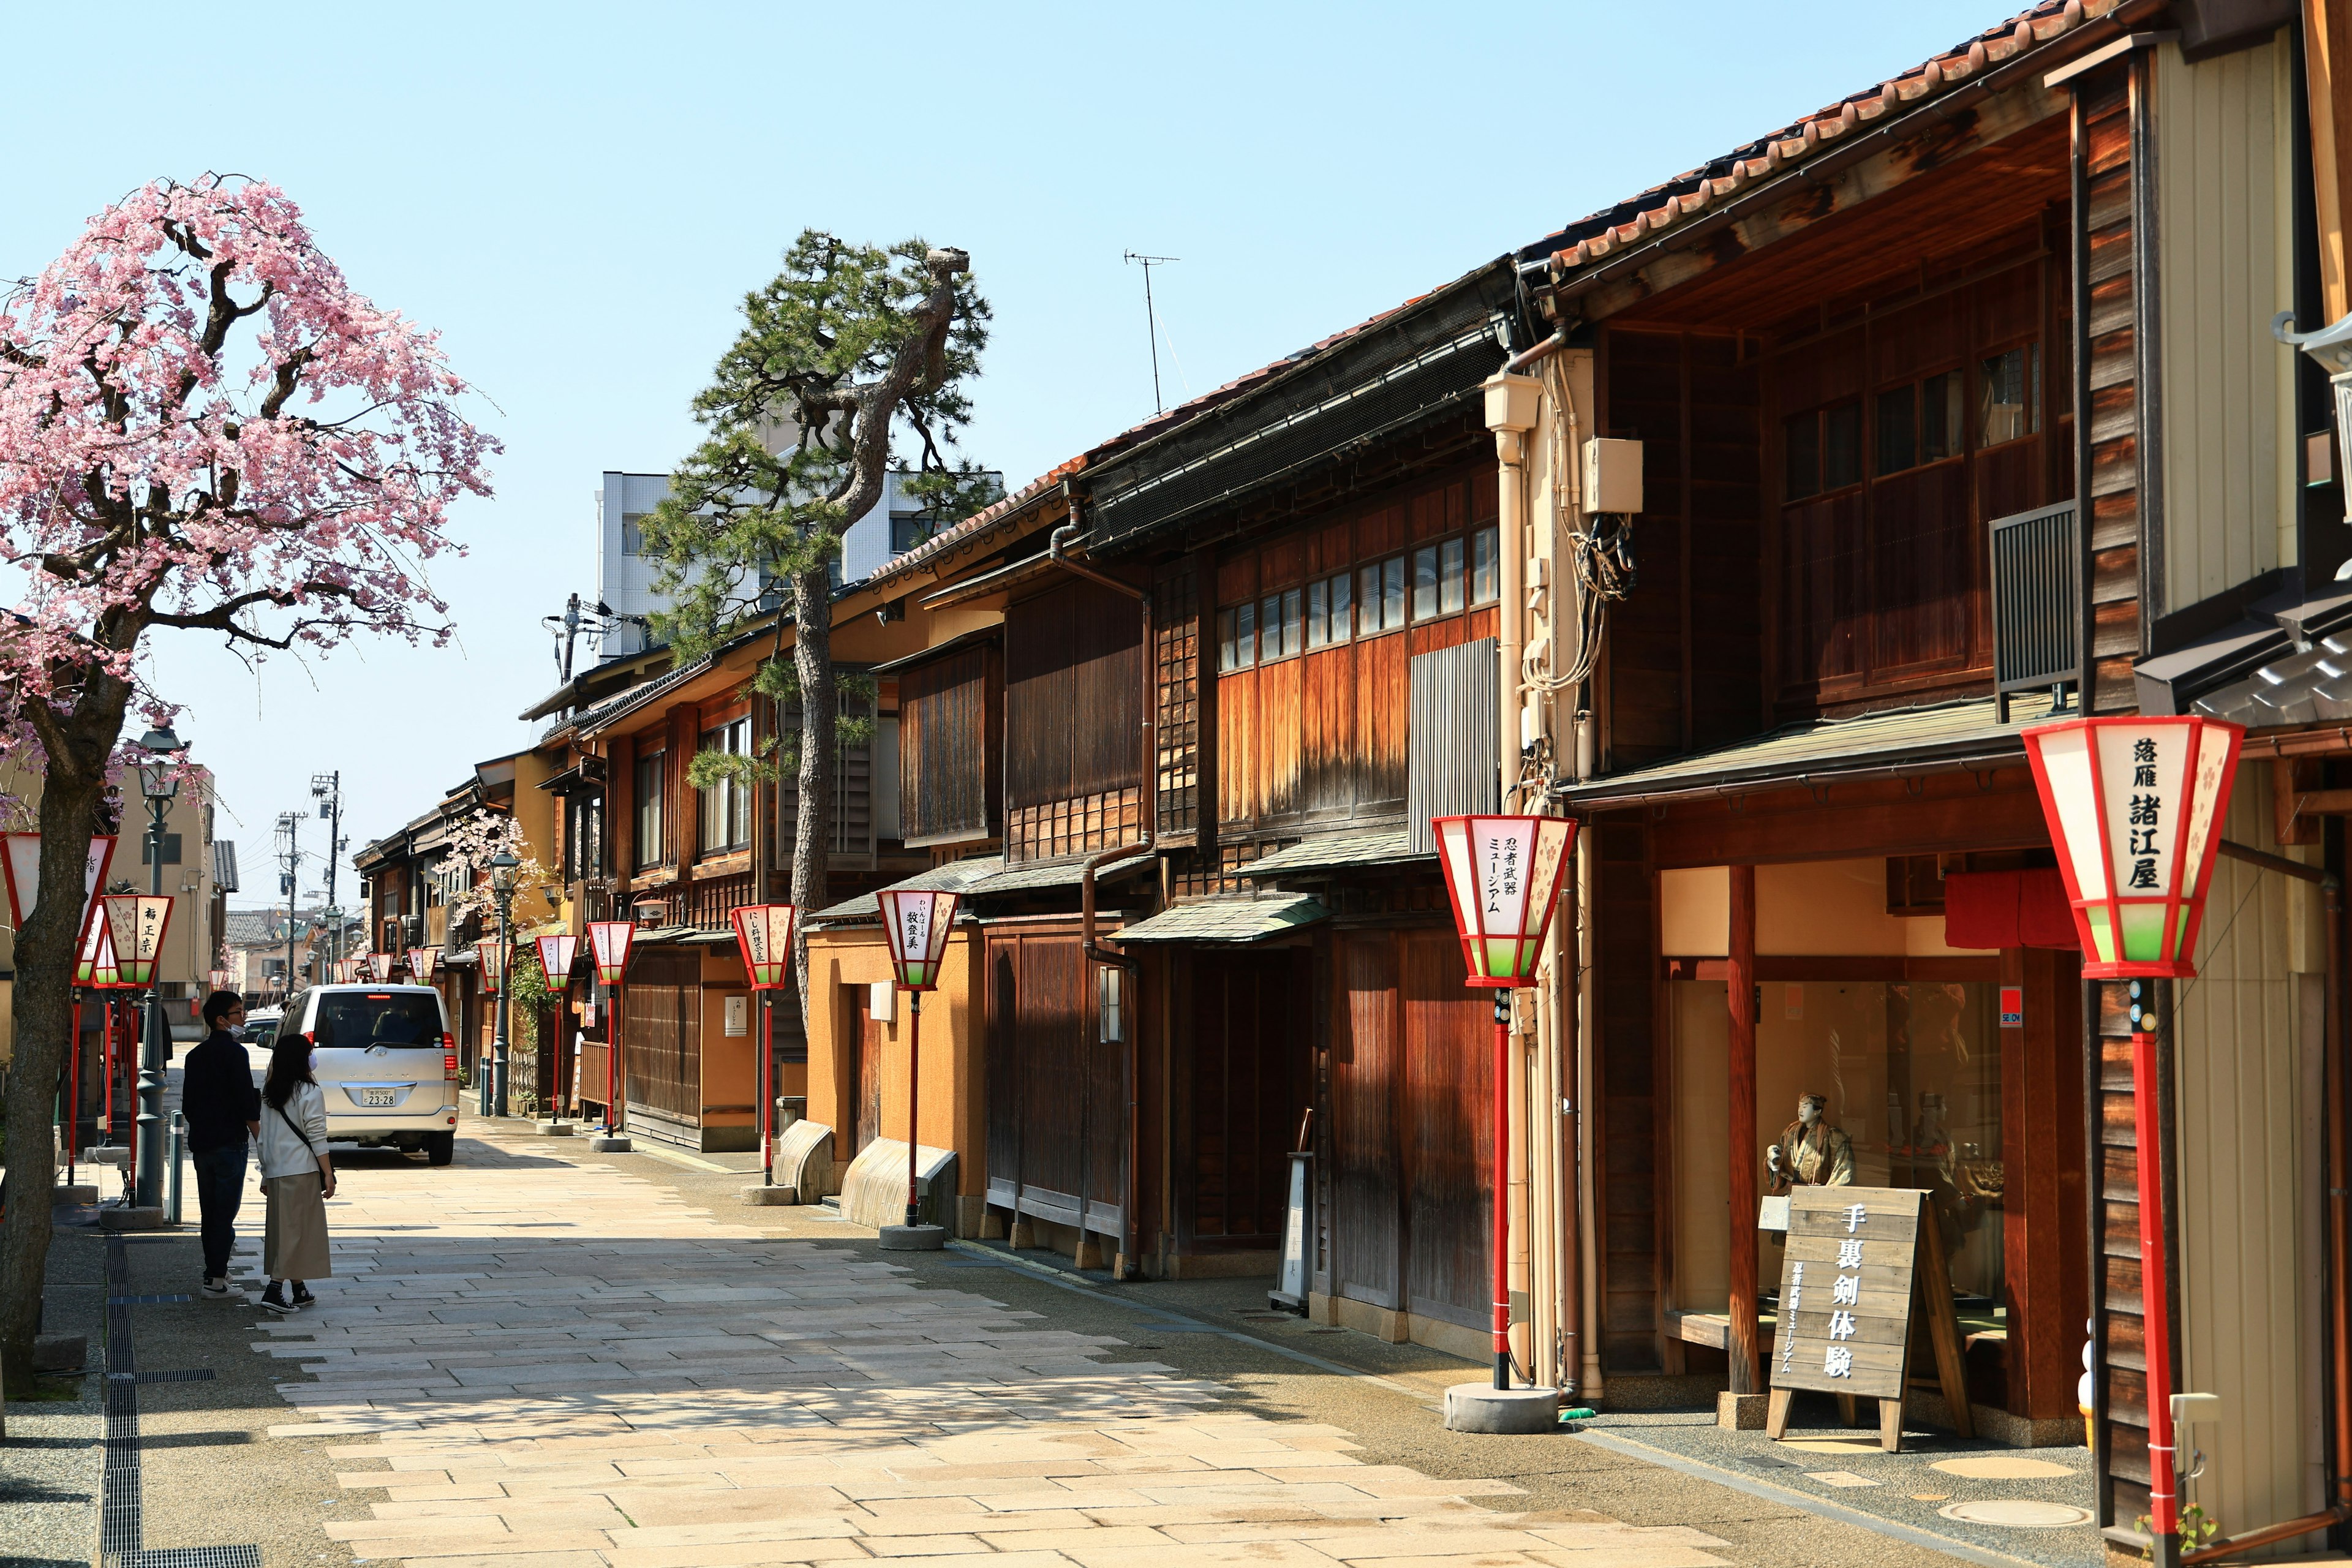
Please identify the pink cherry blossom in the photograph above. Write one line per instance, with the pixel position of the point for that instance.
(204, 427)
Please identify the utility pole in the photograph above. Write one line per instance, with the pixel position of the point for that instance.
(327, 789)
(1151, 319)
(290, 856)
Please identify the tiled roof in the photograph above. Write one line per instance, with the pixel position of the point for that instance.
(1060, 874)
(1226, 919)
(2309, 687)
(1335, 850)
(1592, 238)
(224, 866)
(955, 877)
(1942, 732)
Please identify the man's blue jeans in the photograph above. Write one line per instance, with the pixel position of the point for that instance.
(220, 1190)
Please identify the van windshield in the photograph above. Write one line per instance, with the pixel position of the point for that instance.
(359, 1019)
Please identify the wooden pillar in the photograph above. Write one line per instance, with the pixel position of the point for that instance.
(1739, 989)
(2045, 1253)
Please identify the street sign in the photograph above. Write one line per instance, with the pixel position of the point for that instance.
(1863, 1267)
(2012, 1007)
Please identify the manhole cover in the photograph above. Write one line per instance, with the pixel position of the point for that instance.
(1999, 1467)
(2020, 1512)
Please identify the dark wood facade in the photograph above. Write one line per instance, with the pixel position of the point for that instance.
(951, 714)
(1073, 774)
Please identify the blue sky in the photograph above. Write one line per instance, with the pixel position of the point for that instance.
(578, 195)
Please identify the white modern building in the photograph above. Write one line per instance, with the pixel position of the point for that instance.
(624, 576)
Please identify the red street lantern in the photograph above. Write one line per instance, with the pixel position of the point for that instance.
(347, 971)
(916, 924)
(608, 944)
(97, 965)
(135, 923)
(422, 961)
(2133, 806)
(1503, 873)
(493, 958)
(764, 932)
(380, 965)
(21, 869)
(555, 956)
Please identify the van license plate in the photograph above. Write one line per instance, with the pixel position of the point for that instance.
(373, 1097)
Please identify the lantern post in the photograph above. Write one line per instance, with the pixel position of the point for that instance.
(556, 954)
(916, 925)
(492, 967)
(159, 782)
(20, 873)
(2134, 807)
(763, 934)
(1503, 875)
(608, 944)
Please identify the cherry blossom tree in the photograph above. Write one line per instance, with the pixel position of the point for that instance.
(477, 840)
(203, 428)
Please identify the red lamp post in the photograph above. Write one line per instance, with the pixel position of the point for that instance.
(609, 940)
(20, 870)
(1503, 873)
(556, 956)
(763, 933)
(916, 924)
(2135, 808)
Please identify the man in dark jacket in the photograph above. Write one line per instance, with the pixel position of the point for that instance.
(222, 1104)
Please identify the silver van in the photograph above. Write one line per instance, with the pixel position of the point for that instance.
(386, 1062)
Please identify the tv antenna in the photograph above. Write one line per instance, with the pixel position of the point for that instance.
(1151, 318)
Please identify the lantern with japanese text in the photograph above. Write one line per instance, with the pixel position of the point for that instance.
(915, 926)
(135, 923)
(347, 970)
(380, 965)
(608, 944)
(555, 956)
(914, 923)
(1504, 874)
(422, 961)
(763, 933)
(20, 868)
(492, 957)
(2135, 807)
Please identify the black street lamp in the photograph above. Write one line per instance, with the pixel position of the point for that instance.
(503, 867)
(159, 782)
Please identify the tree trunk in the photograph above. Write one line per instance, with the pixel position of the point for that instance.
(72, 797)
(820, 706)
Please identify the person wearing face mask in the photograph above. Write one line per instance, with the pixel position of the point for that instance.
(223, 1108)
(297, 1176)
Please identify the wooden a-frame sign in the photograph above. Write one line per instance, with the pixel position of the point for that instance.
(1864, 1270)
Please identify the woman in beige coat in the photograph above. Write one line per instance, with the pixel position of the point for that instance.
(297, 1177)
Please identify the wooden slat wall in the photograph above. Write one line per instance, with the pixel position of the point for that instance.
(662, 1050)
(948, 716)
(2123, 1365)
(1367, 1185)
(1318, 740)
(1241, 1048)
(1632, 1142)
(853, 845)
(2110, 226)
(1449, 1135)
(1072, 720)
(1057, 1112)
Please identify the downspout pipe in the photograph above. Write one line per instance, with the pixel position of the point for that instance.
(1131, 1242)
(1542, 350)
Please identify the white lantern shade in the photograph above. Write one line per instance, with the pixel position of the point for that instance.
(555, 956)
(763, 933)
(422, 963)
(21, 869)
(2134, 807)
(1503, 873)
(96, 966)
(379, 964)
(347, 970)
(916, 923)
(135, 923)
(608, 941)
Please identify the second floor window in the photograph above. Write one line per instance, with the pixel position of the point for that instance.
(1237, 638)
(727, 804)
(584, 837)
(1281, 629)
(649, 781)
(1822, 451)
(1330, 611)
(1379, 595)
(2009, 400)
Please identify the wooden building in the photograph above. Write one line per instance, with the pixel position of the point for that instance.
(1957, 395)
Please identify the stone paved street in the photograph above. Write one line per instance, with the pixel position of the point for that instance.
(529, 1363)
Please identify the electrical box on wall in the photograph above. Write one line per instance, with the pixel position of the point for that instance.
(1613, 476)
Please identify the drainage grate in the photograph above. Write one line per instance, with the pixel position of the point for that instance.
(118, 1510)
(199, 1557)
(180, 1374)
(145, 1300)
